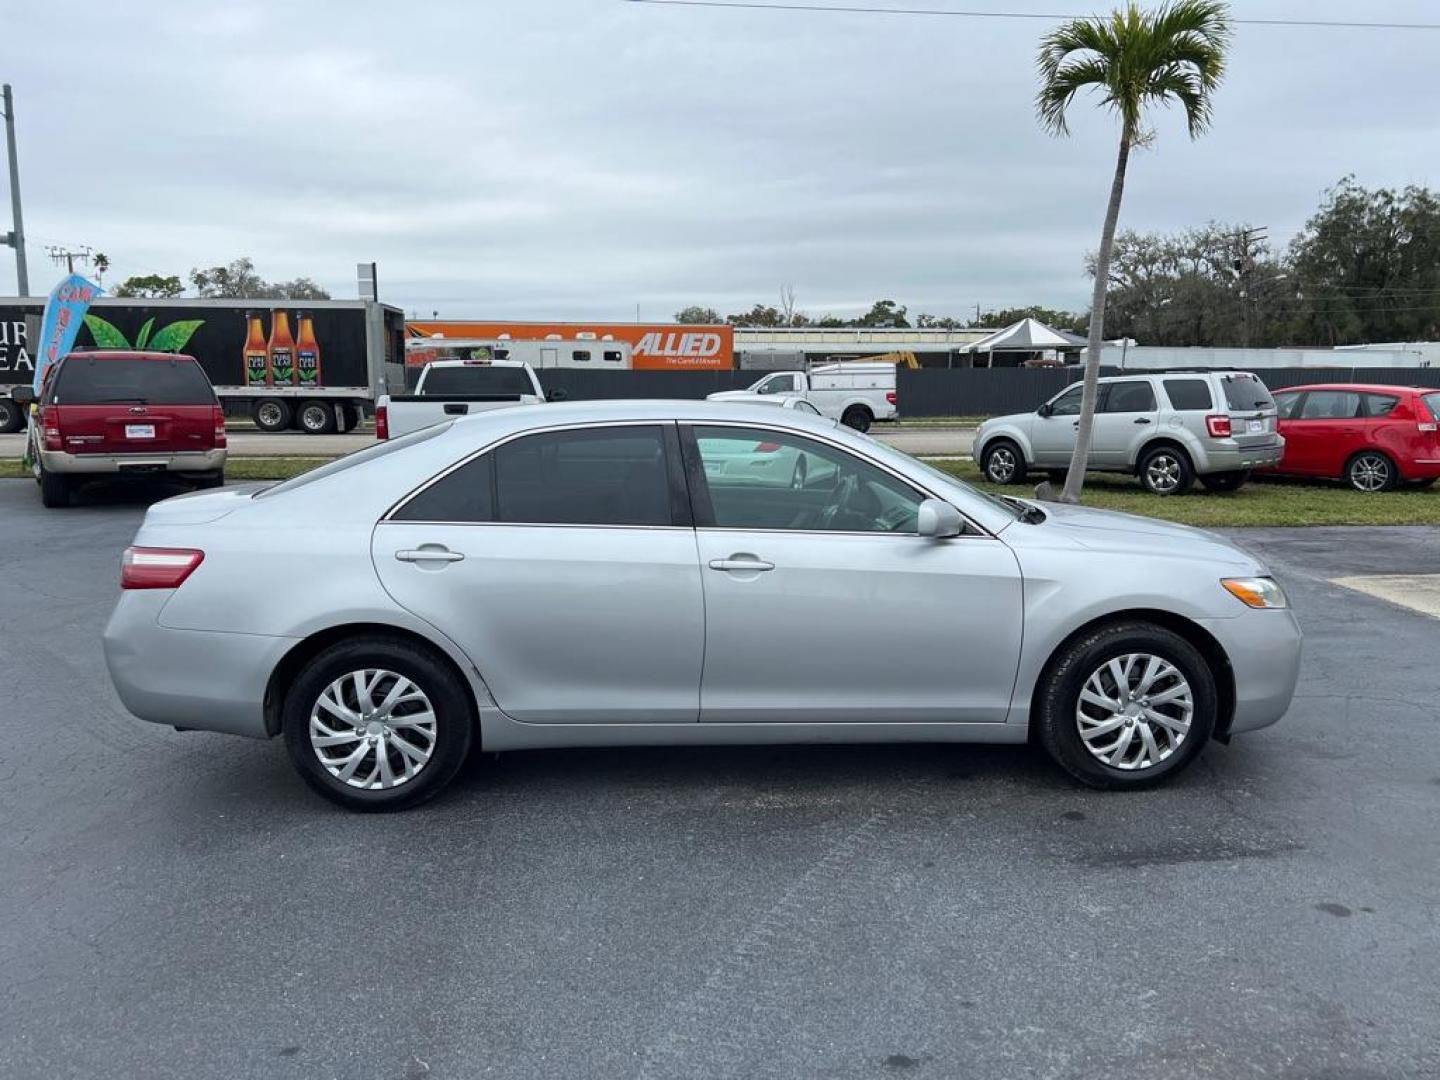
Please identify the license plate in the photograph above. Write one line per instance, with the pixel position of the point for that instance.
(1255, 427)
(139, 431)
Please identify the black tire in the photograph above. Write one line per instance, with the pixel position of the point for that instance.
(315, 418)
(1371, 472)
(1166, 470)
(858, 417)
(1421, 485)
(351, 417)
(212, 480)
(12, 416)
(1003, 463)
(1057, 700)
(1225, 481)
(55, 489)
(272, 415)
(449, 700)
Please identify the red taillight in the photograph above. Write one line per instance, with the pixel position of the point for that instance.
(382, 422)
(766, 447)
(158, 568)
(890, 397)
(50, 428)
(1218, 426)
(219, 426)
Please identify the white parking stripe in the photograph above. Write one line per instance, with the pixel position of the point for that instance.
(1418, 592)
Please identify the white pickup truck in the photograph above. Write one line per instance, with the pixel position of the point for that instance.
(857, 394)
(450, 388)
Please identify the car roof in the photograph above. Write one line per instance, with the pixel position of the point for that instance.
(525, 417)
(1383, 388)
(125, 354)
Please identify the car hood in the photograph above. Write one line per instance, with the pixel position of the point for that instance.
(1113, 531)
(200, 507)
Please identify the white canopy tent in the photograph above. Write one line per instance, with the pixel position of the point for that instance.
(1025, 336)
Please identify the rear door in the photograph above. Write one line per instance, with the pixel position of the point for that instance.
(134, 405)
(1125, 419)
(563, 563)
(1325, 431)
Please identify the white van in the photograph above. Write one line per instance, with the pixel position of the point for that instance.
(857, 394)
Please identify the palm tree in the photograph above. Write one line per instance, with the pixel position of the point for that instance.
(1134, 59)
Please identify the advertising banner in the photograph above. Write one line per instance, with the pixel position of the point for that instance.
(653, 346)
(60, 325)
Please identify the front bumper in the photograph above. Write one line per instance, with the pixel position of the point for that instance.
(201, 679)
(205, 461)
(1264, 652)
(1234, 458)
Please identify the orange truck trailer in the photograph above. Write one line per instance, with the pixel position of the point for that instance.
(649, 346)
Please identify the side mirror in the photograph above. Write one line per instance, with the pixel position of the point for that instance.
(938, 519)
(1046, 410)
(24, 396)
(557, 395)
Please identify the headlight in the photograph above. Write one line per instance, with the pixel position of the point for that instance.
(1256, 592)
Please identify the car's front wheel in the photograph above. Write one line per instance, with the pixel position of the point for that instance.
(377, 723)
(1125, 705)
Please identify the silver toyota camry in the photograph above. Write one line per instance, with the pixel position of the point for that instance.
(584, 575)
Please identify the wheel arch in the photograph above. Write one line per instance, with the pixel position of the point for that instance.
(1010, 434)
(1159, 440)
(1203, 641)
(306, 649)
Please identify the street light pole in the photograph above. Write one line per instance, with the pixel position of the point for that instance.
(15, 239)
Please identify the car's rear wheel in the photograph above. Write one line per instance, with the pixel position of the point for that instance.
(1166, 470)
(377, 723)
(55, 489)
(1003, 463)
(1225, 481)
(1421, 485)
(1371, 471)
(271, 415)
(1126, 705)
(12, 417)
(858, 417)
(316, 418)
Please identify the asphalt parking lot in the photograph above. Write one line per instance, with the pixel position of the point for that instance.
(179, 905)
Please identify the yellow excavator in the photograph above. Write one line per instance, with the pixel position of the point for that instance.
(899, 359)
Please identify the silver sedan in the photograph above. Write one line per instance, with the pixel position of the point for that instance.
(580, 575)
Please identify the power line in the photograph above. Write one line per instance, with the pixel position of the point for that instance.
(859, 9)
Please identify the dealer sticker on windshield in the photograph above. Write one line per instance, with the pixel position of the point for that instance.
(1254, 427)
(139, 431)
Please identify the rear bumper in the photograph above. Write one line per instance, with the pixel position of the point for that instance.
(206, 461)
(199, 679)
(1264, 652)
(1234, 458)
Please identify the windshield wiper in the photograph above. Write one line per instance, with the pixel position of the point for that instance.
(1029, 512)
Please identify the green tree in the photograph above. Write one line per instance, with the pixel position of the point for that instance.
(238, 280)
(884, 313)
(1055, 319)
(759, 315)
(696, 315)
(150, 286)
(1135, 59)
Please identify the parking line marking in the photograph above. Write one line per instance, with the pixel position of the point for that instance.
(1418, 592)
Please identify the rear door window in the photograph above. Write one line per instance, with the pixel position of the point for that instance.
(96, 381)
(1330, 405)
(1432, 402)
(1189, 395)
(1246, 393)
(1378, 405)
(588, 476)
(1129, 397)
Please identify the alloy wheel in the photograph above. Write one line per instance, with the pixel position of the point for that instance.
(1134, 711)
(373, 729)
(1370, 472)
(1162, 473)
(1000, 466)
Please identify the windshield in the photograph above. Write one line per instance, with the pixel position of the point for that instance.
(359, 457)
(999, 502)
(449, 381)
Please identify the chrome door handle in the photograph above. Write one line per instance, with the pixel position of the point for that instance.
(429, 554)
(751, 564)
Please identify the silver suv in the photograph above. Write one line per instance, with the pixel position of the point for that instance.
(1165, 427)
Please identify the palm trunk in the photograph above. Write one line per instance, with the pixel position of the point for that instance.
(1075, 478)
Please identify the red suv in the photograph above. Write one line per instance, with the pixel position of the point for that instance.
(125, 414)
(1372, 437)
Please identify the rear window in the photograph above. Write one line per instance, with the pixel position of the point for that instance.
(1189, 395)
(1244, 393)
(1378, 404)
(373, 452)
(1432, 402)
(97, 381)
(463, 381)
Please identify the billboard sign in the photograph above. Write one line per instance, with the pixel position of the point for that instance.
(653, 346)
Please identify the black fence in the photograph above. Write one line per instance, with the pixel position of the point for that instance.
(936, 391)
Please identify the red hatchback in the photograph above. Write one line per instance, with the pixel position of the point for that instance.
(1372, 437)
(125, 414)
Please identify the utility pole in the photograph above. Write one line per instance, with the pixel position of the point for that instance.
(69, 255)
(16, 238)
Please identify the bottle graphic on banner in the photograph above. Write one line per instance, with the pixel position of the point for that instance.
(257, 352)
(282, 349)
(307, 352)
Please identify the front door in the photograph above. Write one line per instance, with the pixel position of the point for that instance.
(823, 605)
(1052, 437)
(1124, 421)
(563, 563)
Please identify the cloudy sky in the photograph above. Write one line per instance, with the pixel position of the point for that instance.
(575, 158)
